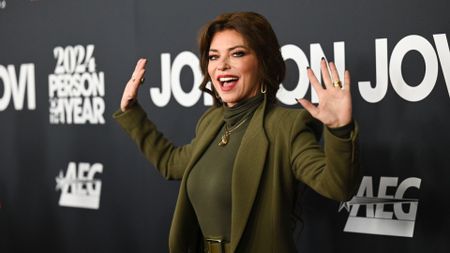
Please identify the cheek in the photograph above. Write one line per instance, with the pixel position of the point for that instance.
(210, 72)
(251, 72)
(211, 77)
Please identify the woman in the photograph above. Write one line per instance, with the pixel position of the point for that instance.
(239, 175)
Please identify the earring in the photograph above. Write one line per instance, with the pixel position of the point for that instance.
(263, 89)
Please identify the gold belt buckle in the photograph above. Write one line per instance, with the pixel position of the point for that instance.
(215, 245)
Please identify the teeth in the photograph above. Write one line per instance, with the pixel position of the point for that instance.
(227, 79)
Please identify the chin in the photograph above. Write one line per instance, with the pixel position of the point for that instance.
(230, 101)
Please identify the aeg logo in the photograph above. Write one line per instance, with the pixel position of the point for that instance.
(384, 214)
(78, 187)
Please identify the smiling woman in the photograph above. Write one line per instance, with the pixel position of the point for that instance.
(239, 175)
(233, 68)
(257, 38)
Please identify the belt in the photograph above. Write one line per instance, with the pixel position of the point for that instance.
(216, 246)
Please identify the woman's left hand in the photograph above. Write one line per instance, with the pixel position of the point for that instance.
(335, 106)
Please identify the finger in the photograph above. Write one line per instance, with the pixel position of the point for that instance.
(334, 72)
(347, 80)
(325, 73)
(140, 64)
(312, 109)
(314, 82)
(136, 81)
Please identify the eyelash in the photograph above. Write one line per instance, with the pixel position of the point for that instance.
(239, 53)
(212, 57)
(235, 54)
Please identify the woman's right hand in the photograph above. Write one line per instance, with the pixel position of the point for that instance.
(130, 92)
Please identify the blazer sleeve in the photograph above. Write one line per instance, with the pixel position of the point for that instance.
(333, 169)
(170, 160)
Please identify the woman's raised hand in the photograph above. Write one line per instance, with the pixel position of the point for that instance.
(130, 92)
(335, 102)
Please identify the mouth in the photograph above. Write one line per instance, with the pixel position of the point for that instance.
(227, 82)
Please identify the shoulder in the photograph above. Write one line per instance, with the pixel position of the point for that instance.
(211, 114)
(279, 118)
(278, 114)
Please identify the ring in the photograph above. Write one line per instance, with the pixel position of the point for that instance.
(337, 84)
(142, 80)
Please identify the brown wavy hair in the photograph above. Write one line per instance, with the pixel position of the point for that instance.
(260, 37)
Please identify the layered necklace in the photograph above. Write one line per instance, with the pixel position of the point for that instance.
(226, 135)
(237, 116)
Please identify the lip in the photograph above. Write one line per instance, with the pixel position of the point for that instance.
(230, 85)
(224, 76)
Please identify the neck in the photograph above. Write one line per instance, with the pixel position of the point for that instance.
(241, 110)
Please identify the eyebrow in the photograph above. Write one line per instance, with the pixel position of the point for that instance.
(229, 49)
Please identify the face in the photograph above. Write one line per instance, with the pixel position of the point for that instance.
(232, 67)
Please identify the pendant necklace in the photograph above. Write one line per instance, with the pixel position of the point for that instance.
(226, 136)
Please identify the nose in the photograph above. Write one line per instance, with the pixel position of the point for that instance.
(223, 64)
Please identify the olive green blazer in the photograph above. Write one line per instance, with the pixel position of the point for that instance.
(279, 148)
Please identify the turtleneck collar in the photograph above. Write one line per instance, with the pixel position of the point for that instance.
(233, 115)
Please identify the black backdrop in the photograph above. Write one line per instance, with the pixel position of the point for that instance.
(75, 183)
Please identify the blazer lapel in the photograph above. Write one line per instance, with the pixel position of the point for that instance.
(247, 171)
(183, 221)
(205, 137)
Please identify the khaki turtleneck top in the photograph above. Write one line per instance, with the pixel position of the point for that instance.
(209, 182)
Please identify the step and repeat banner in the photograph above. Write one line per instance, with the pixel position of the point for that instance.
(72, 181)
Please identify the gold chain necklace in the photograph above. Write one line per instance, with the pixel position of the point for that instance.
(226, 136)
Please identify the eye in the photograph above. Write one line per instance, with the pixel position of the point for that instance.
(212, 57)
(238, 53)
